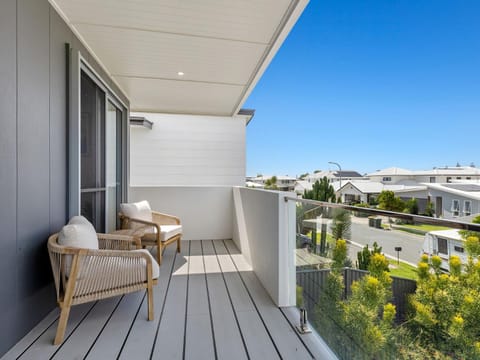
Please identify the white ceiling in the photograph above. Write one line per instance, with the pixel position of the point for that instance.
(222, 47)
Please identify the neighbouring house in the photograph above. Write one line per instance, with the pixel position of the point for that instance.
(284, 182)
(364, 191)
(445, 174)
(301, 186)
(333, 176)
(455, 200)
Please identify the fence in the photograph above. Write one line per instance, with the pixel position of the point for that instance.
(313, 283)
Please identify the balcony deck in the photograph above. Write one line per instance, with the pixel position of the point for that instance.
(208, 305)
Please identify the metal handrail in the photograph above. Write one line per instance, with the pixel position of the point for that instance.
(416, 218)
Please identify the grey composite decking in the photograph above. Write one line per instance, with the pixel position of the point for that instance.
(208, 305)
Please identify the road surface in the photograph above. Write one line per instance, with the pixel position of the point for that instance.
(362, 234)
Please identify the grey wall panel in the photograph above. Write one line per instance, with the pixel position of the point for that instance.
(8, 172)
(59, 35)
(33, 201)
(33, 158)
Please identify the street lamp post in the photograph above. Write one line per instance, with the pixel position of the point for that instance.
(340, 174)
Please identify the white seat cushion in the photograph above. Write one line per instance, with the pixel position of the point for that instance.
(169, 231)
(155, 267)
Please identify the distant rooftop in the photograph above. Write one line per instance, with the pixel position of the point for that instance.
(453, 170)
(464, 187)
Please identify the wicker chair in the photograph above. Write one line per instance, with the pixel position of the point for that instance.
(84, 275)
(163, 230)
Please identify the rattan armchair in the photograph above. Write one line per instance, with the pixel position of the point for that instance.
(164, 229)
(84, 275)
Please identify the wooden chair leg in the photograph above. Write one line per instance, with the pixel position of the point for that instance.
(150, 302)
(62, 325)
(179, 247)
(159, 254)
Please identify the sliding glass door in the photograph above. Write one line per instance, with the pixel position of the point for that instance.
(113, 156)
(101, 163)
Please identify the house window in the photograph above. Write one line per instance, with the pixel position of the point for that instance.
(455, 207)
(387, 178)
(459, 177)
(467, 207)
(449, 179)
(459, 249)
(468, 178)
(442, 246)
(432, 179)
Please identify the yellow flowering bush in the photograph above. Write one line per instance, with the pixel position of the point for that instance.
(446, 307)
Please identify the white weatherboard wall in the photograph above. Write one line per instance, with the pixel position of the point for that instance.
(262, 226)
(188, 150)
(206, 212)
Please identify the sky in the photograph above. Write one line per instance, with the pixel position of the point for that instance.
(370, 84)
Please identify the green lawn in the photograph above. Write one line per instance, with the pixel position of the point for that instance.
(420, 229)
(403, 270)
(330, 238)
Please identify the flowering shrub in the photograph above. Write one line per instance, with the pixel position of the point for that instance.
(446, 307)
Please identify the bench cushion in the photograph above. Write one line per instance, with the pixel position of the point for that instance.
(166, 232)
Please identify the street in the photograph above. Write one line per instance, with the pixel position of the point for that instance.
(362, 234)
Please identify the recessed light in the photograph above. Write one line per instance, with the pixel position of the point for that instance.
(180, 73)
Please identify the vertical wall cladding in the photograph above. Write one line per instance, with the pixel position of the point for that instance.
(60, 34)
(8, 172)
(33, 159)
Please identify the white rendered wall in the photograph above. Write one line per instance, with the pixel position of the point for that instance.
(262, 230)
(188, 150)
(206, 212)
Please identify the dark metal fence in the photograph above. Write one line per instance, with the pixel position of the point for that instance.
(313, 283)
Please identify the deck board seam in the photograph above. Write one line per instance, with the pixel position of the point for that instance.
(231, 303)
(131, 325)
(103, 327)
(163, 306)
(253, 301)
(38, 337)
(186, 303)
(209, 303)
(74, 329)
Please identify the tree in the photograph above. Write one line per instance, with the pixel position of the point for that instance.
(364, 256)
(388, 201)
(341, 224)
(303, 176)
(321, 191)
(411, 206)
(271, 183)
(429, 209)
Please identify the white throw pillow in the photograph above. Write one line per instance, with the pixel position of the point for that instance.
(78, 233)
(140, 210)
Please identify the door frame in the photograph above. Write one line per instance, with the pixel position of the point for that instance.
(75, 64)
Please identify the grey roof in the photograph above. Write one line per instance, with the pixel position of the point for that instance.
(391, 171)
(348, 173)
(464, 187)
(450, 188)
(375, 187)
